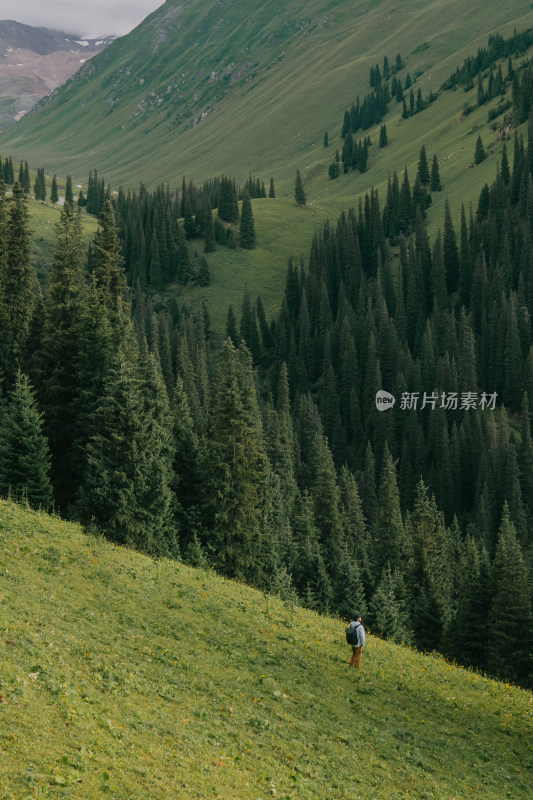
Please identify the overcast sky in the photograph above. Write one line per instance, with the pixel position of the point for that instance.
(82, 17)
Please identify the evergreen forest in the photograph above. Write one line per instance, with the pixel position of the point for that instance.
(265, 454)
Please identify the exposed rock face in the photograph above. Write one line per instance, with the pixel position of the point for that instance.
(34, 61)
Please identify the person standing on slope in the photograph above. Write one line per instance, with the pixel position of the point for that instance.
(355, 636)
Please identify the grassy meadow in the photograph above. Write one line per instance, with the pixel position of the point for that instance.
(125, 677)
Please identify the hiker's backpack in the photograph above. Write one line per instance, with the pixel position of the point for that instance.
(352, 634)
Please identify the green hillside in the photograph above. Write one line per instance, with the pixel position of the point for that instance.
(205, 88)
(151, 679)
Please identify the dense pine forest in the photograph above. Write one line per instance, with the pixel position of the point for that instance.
(266, 455)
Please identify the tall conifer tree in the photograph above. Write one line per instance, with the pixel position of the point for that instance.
(299, 193)
(108, 263)
(434, 183)
(423, 168)
(24, 452)
(237, 466)
(69, 194)
(54, 194)
(126, 489)
(511, 615)
(60, 352)
(388, 532)
(17, 283)
(247, 226)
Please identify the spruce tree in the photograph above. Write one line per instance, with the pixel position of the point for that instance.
(356, 534)
(59, 354)
(204, 273)
(326, 498)
(430, 575)
(228, 206)
(126, 488)
(299, 193)
(383, 139)
(108, 263)
(54, 194)
(24, 452)
(367, 486)
(388, 531)
(465, 261)
(220, 231)
(282, 450)
(349, 591)
(9, 171)
(525, 461)
(423, 168)
(39, 187)
(512, 394)
(399, 91)
(187, 468)
(69, 194)
(511, 619)
(434, 183)
(26, 181)
(231, 327)
(209, 233)
(247, 226)
(406, 212)
(271, 190)
(450, 252)
(479, 154)
(237, 465)
(17, 282)
(505, 171)
(471, 626)
(388, 613)
(481, 95)
(311, 578)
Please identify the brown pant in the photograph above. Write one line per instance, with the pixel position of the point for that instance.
(356, 656)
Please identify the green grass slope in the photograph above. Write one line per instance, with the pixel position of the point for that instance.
(125, 677)
(204, 88)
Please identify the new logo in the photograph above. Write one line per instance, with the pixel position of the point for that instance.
(384, 400)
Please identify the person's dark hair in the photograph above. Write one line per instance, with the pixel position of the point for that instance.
(357, 616)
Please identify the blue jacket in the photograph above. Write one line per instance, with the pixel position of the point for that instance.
(360, 633)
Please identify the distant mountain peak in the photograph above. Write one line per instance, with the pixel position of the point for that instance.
(35, 61)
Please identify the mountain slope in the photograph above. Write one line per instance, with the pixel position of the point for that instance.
(207, 87)
(154, 679)
(33, 62)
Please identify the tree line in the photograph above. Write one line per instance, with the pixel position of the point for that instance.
(497, 48)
